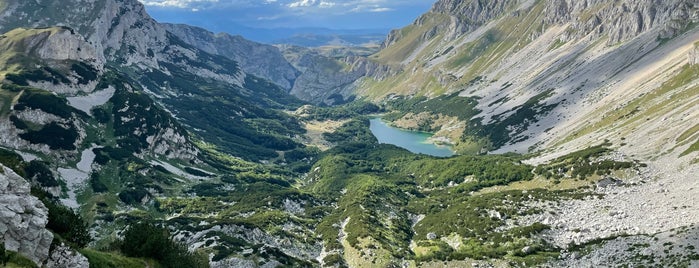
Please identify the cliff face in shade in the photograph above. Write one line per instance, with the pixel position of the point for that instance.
(306, 73)
(262, 60)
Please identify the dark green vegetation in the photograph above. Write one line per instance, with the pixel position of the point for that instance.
(345, 111)
(244, 121)
(63, 221)
(450, 105)
(504, 129)
(35, 171)
(144, 239)
(582, 164)
(58, 135)
(13, 259)
(519, 118)
(384, 187)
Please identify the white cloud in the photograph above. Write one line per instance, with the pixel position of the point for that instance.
(380, 9)
(176, 3)
(302, 3)
(324, 4)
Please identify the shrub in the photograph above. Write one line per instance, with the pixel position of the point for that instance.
(53, 135)
(64, 221)
(3, 257)
(39, 171)
(147, 240)
(133, 196)
(13, 161)
(97, 185)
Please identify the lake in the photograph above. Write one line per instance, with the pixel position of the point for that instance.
(414, 141)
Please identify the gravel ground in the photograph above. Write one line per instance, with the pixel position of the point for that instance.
(639, 219)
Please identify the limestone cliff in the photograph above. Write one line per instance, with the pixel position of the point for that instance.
(23, 218)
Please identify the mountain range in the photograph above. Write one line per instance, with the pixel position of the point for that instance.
(125, 142)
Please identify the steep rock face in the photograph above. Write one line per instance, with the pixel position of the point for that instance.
(463, 17)
(261, 60)
(22, 218)
(58, 48)
(64, 44)
(621, 20)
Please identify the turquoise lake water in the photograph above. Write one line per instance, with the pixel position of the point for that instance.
(413, 141)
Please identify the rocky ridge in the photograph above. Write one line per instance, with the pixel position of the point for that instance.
(305, 72)
(262, 60)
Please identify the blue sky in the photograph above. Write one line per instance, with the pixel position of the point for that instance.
(226, 15)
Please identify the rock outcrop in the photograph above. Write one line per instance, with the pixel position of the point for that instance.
(693, 55)
(23, 218)
(64, 256)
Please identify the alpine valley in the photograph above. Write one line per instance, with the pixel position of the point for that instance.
(125, 142)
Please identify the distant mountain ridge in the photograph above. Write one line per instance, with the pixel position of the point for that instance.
(308, 73)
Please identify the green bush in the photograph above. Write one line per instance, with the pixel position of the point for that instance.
(3, 256)
(64, 221)
(39, 171)
(53, 135)
(45, 101)
(350, 110)
(13, 161)
(97, 185)
(133, 196)
(147, 240)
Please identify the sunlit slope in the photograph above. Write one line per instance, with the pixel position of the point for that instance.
(545, 73)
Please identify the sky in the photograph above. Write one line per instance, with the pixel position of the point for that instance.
(229, 15)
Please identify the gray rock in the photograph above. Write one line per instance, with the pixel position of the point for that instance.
(64, 256)
(608, 181)
(23, 218)
(431, 236)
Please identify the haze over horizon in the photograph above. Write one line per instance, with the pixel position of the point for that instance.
(267, 19)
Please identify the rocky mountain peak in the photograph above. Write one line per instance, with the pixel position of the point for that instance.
(621, 20)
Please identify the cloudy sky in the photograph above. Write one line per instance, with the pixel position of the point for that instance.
(221, 15)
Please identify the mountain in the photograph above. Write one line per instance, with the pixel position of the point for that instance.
(180, 76)
(255, 58)
(129, 143)
(544, 72)
(557, 78)
(107, 112)
(316, 75)
(319, 40)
